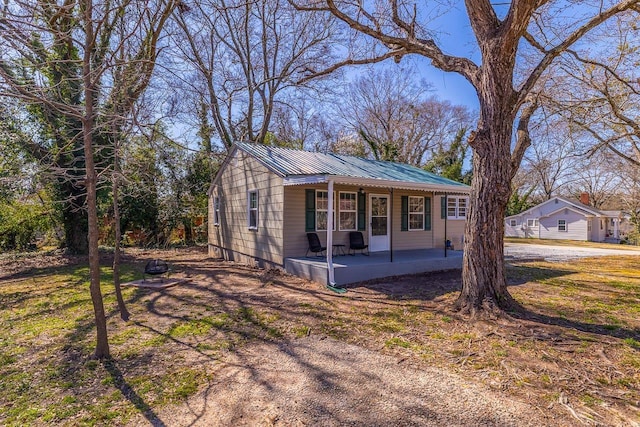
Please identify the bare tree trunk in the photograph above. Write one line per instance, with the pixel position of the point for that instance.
(102, 342)
(124, 313)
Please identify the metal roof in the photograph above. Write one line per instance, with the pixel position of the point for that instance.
(291, 163)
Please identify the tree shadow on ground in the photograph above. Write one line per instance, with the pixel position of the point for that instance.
(430, 287)
(130, 394)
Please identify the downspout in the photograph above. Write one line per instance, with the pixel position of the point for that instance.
(332, 281)
(446, 214)
(391, 226)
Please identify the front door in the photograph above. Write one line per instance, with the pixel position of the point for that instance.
(379, 221)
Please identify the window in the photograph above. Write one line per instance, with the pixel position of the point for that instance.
(416, 213)
(322, 207)
(457, 207)
(532, 222)
(216, 210)
(348, 211)
(512, 222)
(253, 210)
(562, 225)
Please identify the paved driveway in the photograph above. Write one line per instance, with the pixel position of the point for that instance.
(526, 251)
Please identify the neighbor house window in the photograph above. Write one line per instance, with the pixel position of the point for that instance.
(513, 222)
(562, 225)
(416, 213)
(253, 209)
(216, 210)
(457, 207)
(322, 207)
(532, 222)
(348, 211)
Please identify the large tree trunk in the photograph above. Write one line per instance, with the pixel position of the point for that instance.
(484, 284)
(75, 229)
(74, 215)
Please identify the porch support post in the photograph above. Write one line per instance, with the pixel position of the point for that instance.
(390, 216)
(616, 232)
(332, 281)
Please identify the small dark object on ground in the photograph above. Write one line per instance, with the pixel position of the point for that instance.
(155, 267)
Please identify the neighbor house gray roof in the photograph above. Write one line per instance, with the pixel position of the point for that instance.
(299, 166)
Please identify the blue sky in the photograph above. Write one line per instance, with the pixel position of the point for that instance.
(455, 37)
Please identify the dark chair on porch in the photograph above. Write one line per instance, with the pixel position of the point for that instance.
(314, 245)
(356, 243)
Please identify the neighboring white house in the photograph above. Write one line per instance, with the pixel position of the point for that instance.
(560, 218)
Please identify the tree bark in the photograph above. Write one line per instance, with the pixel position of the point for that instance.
(484, 286)
(74, 219)
(88, 120)
(122, 307)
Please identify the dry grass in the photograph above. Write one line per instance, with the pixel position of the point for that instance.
(577, 341)
(572, 243)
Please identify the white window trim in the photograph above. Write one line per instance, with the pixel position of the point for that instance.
(415, 213)
(326, 210)
(216, 210)
(249, 209)
(534, 222)
(513, 223)
(354, 211)
(457, 207)
(566, 226)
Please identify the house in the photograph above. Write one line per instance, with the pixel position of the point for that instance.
(264, 200)
(561, 218)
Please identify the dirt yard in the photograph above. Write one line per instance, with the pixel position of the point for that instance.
(235, 345)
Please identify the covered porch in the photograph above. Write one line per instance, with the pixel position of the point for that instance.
(358, 268)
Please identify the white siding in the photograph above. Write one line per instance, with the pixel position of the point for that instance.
(576, 226)
(577, 223)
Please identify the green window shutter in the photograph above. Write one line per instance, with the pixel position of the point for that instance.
(404, 213)
(427, 213)
(362, 211)
(310, 210)
(443, 207)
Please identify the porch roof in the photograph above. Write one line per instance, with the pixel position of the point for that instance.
(298, 167)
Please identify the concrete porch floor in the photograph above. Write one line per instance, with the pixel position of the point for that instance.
(352, 269)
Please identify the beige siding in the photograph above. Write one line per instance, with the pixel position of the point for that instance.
(455, 227)
(414, 239)
(295, 240)
(233, 239)
(295, 236)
